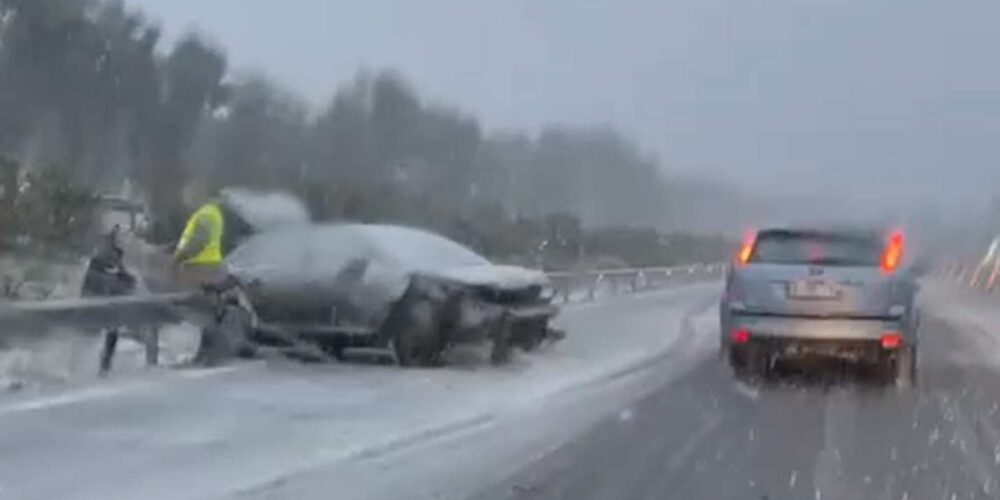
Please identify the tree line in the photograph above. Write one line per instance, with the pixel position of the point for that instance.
(90, 94)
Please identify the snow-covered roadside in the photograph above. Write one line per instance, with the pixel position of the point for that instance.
(972, 313)
(37, 278)
(32, 359)
(272, 422)
(68, 357)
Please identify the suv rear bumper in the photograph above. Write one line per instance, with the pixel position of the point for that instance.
(802, 337)
(790, 327)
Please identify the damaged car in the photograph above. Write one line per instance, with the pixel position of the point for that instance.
(362, 286)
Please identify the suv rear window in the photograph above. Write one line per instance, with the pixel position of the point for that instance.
(816, 248)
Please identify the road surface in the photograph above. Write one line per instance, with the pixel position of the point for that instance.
(704, 436)
(633, 405)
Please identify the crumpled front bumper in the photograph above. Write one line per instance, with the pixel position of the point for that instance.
(480, 320)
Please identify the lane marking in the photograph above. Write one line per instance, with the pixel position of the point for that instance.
(109, 391)
(690, 445)
(839, 418)
(200, 373)
(421, 437)
(751, 393)
(965, 435)
(68, 398)
(277, 478)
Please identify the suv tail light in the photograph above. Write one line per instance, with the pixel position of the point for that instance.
(746, 247)
(891, 340)
(893, 252)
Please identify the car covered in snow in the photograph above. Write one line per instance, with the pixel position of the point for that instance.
(364, 285)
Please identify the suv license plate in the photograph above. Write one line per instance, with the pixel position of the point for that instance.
(812, 289)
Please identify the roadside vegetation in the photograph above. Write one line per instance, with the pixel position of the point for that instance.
(92, 101)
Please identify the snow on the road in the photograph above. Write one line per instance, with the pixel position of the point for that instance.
(72, 357)
(269, 422)
(604, 338)
(510, 423)
(974, 314)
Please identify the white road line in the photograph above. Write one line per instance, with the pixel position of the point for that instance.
(839, 418)
(746, 391)
(89, 394)
(107, 391)
(683, 454)
(964, 434)
(200, 373)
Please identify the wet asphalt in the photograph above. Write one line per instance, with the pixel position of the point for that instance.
(840, 435)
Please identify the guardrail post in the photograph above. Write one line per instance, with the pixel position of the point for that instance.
(108, 350)
(152, 342)
(619, 281)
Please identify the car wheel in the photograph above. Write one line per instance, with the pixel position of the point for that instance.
(501, 335)
(749, 361)
(740, 361)
(226, 338)
(335, 348)
(529, 335)
(416, 341)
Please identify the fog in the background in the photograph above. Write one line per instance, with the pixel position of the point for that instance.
(886, 100)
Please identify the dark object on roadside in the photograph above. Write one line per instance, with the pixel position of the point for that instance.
(226, 337)
(106, 276)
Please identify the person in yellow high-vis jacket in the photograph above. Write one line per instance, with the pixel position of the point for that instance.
(199, 253)
(199, 260)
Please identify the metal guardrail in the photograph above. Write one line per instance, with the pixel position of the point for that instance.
(136, 317)
(568, 284)
(616, 281)
(983, 276)
(140, 317)
(976, 273)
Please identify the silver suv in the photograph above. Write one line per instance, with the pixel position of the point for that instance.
(830, 293)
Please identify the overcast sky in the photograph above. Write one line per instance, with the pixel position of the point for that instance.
(876, 98)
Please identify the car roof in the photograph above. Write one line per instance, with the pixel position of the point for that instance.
(319, 246)
(414, 246)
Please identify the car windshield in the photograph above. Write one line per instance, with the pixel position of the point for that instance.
(817, 249)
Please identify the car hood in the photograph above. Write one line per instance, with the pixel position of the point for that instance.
(501, 277)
